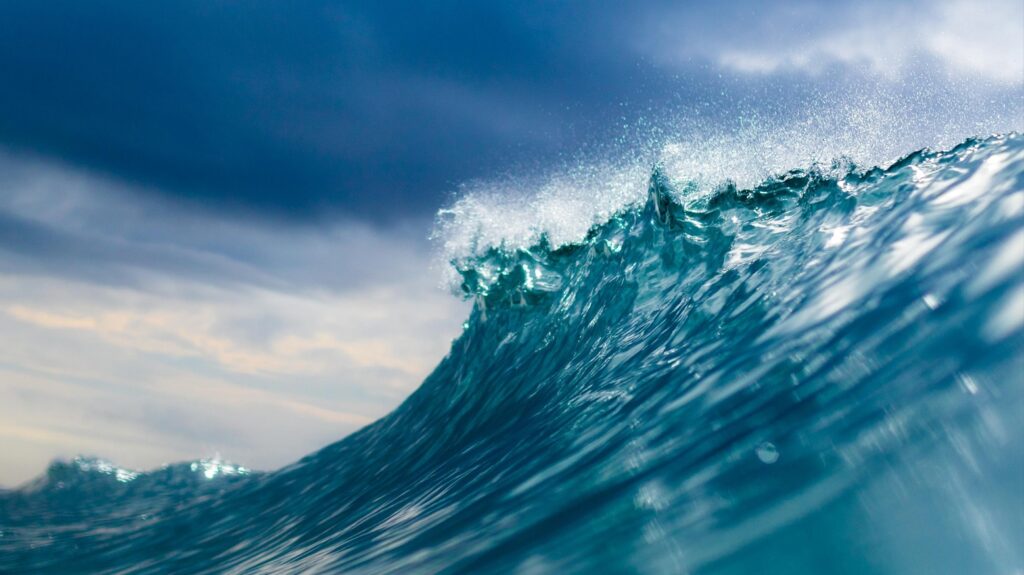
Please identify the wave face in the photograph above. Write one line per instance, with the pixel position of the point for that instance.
(818, 374)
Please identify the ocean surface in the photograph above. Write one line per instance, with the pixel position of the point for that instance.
(819, 373)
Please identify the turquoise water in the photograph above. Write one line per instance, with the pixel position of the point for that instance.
(820, 374)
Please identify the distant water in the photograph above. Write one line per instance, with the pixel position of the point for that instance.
(822, 373)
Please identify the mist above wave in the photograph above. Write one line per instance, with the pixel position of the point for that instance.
(839, 134)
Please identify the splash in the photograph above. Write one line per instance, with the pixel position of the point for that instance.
(832, 134)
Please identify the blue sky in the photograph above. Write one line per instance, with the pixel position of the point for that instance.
(213, 215)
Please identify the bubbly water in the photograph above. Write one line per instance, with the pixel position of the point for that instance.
(820, 373)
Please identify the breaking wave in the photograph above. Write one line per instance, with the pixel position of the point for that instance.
(808, 372)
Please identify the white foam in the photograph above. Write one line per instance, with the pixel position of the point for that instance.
(561, 208)
(869, 130)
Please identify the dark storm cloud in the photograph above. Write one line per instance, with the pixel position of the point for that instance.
(375, 109)
(380, 109)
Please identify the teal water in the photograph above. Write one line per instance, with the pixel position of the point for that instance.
(819, 374)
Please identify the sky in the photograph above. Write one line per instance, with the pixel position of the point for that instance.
(214, 215)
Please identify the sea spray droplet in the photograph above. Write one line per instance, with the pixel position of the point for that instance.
(767, 452)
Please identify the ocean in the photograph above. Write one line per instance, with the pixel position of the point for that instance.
(819, 373)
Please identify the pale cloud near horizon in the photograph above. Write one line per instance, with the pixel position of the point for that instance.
(974, 40)
(149, 333)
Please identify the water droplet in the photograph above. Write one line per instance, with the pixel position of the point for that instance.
(968, 383)
(767, 453)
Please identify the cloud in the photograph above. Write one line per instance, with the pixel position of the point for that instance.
(379, 110)
(145, 332)
(375, 110)
(972, 40)
(984, 38)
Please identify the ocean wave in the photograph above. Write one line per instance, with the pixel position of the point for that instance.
(816, 373)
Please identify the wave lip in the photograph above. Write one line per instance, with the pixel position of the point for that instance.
(814, 373)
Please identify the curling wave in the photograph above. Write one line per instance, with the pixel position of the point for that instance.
(819, 373)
